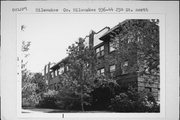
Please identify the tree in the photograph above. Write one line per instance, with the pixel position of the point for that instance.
(40, 82)
(81, 81)
(27, 87)
(32, 83)
(80, 77)
(29, 96)
(138, 40)
(25, 54)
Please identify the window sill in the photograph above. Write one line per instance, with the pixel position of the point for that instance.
(112, 52)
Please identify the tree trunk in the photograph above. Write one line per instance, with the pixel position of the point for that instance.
(82, 78)
(82, 103)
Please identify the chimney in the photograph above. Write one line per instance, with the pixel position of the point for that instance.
(45, 70)
(91, 38)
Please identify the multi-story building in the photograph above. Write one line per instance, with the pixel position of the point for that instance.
(108, 64)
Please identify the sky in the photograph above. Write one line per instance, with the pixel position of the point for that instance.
(51, 34)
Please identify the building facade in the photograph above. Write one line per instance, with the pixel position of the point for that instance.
(125, 72)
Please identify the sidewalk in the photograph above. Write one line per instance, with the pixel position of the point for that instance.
(46, 110)
(41, 110)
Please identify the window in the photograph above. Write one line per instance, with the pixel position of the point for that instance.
(112, 70)
(111, 46)
(124, 67)
(67, 68)
(158, 97)
(100, 51)
(100, 71)
(52, 75)
(56, 73)
(148, 89)
(125, 64)
(61, 70)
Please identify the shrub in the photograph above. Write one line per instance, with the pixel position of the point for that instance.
(25, 103)
(121, 103)
(68, 101)
(31, 101)
(104, 89)
(48, 100)
(133, 101)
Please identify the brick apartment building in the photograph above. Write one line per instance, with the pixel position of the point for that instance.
(101, 41)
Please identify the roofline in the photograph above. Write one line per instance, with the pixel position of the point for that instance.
(83, 39)
(118, 25)
(102, 29)
(97, 32)
(59, 62)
